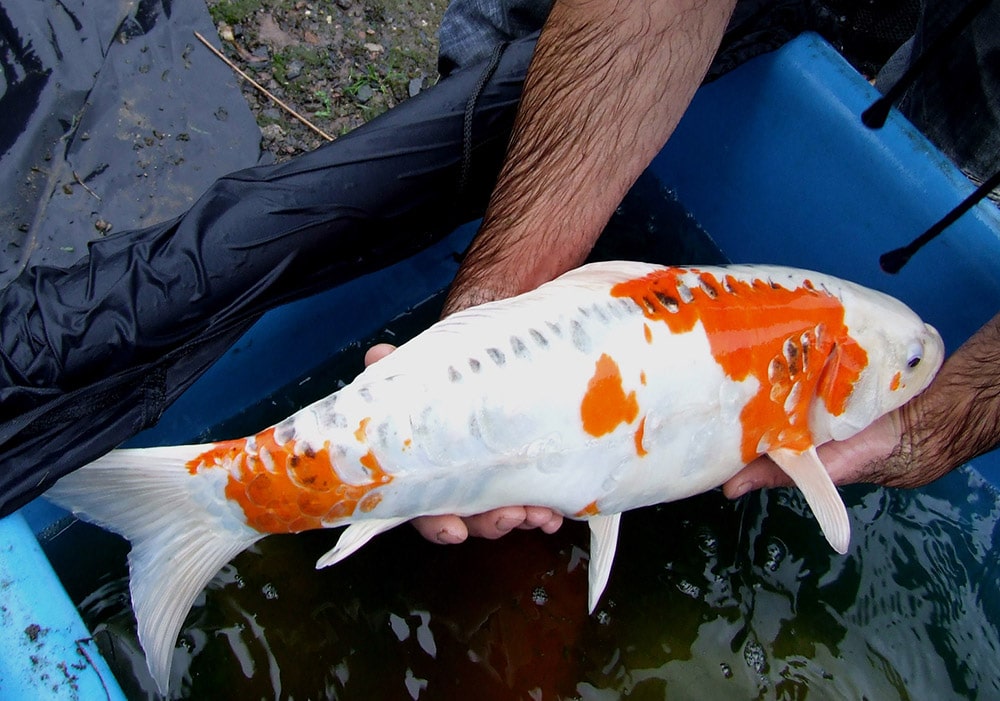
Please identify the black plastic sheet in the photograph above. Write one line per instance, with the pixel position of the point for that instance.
(91, 353)
(113, 115)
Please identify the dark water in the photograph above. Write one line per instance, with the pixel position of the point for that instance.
(708, 600)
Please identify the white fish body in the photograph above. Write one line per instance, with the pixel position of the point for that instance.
(616, 386)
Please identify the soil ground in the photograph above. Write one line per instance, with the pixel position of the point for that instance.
(338, 63)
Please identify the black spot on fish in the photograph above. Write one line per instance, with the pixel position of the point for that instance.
(453, 374)
(517, 345)
(626, 307)
(285, 431)
(338, 420)
(708, 288)
(554, 328)
(365, 394)
(474, 429)
(474, 365)
(538, 337)
(791, 351)
(496, 355)
(584, 311)
(327, 415)
(601, 314)
(581, 341)
(668, 302)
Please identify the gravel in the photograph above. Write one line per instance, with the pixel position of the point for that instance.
(338, 63)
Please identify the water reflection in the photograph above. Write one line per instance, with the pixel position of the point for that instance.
(708, 599)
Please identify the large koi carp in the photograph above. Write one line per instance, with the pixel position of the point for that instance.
(616, 386)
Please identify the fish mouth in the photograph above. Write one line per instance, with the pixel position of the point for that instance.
(933, 347)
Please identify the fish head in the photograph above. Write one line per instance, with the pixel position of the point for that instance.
(879, 358)
(886, 356)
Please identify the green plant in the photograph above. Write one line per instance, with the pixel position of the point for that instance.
(233, 11)
(327, 103)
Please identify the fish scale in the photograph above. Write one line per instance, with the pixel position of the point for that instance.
(616, 386)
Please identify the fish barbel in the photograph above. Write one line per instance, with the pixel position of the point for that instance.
(615, 386)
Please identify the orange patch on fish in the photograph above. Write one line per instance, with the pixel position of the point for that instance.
(896, 381)
(362, 429)
(640, 433)
(589, 510)
(282, 490)
(605, 404)
(792, 341)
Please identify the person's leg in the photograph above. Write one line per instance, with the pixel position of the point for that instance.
(471, 29)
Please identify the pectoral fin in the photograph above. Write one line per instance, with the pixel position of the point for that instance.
(812, 479)
(354, 536)
(603, 543)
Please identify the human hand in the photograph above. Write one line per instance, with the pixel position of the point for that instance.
(893, 452)
(450, 529)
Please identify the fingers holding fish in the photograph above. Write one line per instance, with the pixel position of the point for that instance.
(873, 455)
(445, 530)
(377, 352)
(546, 520)
(450, 530)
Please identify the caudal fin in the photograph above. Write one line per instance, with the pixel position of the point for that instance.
(181, 534)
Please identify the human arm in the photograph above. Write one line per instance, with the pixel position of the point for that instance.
(954, 420)
(607, 85)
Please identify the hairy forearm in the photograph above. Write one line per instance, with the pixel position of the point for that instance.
(607, 85)
(955, 420)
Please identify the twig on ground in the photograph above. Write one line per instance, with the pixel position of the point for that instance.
(264, 90)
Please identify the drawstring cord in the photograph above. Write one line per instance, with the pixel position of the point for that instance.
(470, 110)
(875, 116)
(894, 260)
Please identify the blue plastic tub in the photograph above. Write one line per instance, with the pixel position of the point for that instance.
(772, 160)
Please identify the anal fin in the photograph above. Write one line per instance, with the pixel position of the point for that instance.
(603, 543)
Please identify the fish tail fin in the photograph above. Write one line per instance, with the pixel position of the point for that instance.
(180, 535)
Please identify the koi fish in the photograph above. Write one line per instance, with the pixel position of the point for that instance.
(616, 386)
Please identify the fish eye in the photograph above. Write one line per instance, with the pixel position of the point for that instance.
(914, 355)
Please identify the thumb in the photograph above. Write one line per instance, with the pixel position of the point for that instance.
(377, 352)
(759, 474)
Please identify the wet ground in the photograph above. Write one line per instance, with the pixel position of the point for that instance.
(337, 63)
